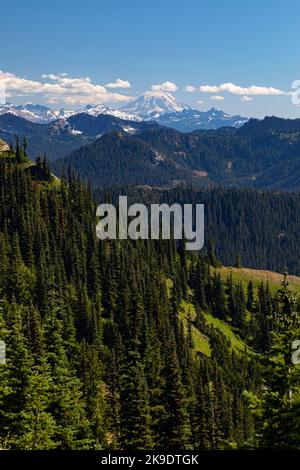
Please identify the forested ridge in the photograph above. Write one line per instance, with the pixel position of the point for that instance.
(62, 136)
(126, 345)
(260, 228)
(262, 154)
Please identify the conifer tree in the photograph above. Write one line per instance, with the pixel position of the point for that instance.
(277, 410)
(135, 413)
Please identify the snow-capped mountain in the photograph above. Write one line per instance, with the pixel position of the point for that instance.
(190, 119)
(150, 106)
(31, 112)
(153, 104)
(103, 109)
(43, 115)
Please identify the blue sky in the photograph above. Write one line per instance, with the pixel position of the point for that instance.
(229, 45)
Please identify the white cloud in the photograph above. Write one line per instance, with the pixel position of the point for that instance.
(56, 88)
(246, 98)
(190, 88)
(217, 98)
(200, 102)
(118, 84)
(22, 85)
(238, 90)
(52, 76)
(166, 86)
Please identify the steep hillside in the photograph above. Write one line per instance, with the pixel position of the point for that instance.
(116, 159)
(99, 330)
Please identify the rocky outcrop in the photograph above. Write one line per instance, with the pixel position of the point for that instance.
(4, 147)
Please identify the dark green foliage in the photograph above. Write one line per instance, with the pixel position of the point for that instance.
(277, 408)
(262, 227)
(99, 354)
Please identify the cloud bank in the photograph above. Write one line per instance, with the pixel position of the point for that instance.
(57, 88)
(238, 90)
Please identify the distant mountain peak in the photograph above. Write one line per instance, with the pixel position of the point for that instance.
(153, 104)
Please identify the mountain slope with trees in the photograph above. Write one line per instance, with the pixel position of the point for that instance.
(261, 155)
(101, 355)
(62, 136)
(250, 228)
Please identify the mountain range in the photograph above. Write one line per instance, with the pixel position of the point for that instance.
(56, 133)
(151, 106)
(149, 147)
(61, 136)
(261, 154)
(188, 119)
(108, 150)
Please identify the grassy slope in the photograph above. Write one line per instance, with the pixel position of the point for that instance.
(257, 275)
(201, 341)
(237, 344)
